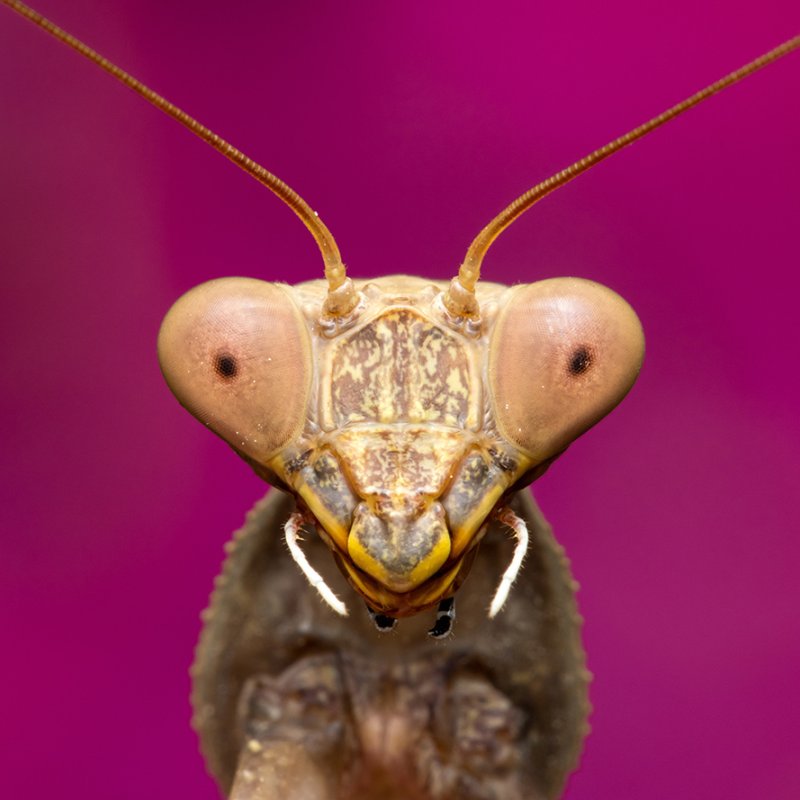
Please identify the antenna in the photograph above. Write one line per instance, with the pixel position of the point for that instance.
(342, 296)
(460, 297)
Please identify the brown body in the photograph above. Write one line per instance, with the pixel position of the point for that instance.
(312, 706)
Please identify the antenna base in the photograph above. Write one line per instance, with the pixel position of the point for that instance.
(460, 301)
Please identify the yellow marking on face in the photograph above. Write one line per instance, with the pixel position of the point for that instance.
(399, 550)
(402, 604)
(438, 588)
(332, 524)
(318, 479)
(463, 534)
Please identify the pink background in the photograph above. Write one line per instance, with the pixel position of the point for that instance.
(408, 126)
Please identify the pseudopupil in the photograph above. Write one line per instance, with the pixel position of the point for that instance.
(225, 365)
(580, 361)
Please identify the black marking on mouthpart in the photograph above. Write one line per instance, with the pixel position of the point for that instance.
(445, 616)
(225, 366)
(383, 623)
(580, 360)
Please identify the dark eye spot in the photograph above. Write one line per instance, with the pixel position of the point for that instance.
(225, 366)
(580, 361)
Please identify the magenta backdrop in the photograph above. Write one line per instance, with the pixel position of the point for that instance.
(408, 126)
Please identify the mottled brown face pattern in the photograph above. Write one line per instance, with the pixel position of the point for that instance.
(399, 428)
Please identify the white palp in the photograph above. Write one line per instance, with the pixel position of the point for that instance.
(291, 531)
(509, 518)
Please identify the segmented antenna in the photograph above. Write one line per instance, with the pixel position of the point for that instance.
(341, 294)
(460, 297)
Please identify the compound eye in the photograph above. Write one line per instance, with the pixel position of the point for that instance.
(563, 353)
(236, 354)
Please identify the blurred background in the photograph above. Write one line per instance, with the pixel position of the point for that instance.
(408, 127)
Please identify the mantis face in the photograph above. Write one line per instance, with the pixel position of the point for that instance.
(405, 429)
